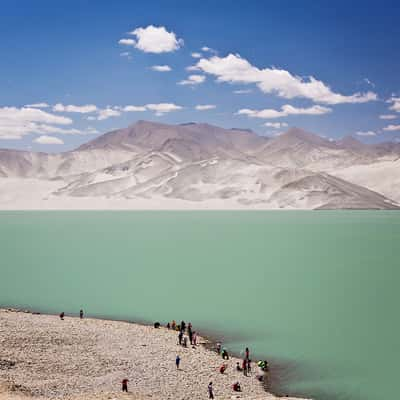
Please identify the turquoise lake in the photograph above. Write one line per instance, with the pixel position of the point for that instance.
(315, 292)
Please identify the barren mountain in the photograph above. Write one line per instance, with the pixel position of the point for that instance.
(204, 166)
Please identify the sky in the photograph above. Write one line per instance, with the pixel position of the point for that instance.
(72, 70)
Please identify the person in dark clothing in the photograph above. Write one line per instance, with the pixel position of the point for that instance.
(156, 325)
(247, 353)
(168, 326)
(248, 366)
(238, 367)
(244, 367)
(225, 355)
(190, 336)
(210, 391)
(180, 336)
(62, 316)
(81, 314)
(183, 326)
(218, 348)
(125, 385)
(177, 362)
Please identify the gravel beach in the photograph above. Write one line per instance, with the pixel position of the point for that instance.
(45, 357)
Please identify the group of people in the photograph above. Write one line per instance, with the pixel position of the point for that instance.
(186, 333)
(181, 328)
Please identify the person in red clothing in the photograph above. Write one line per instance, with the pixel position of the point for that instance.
(222, 368)
(125, 385)
(244, 367)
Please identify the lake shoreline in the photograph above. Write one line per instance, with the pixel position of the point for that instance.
(33, 322)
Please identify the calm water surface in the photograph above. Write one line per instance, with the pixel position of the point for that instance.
(316, 291)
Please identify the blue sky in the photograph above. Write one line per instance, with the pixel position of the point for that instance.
(67, 55)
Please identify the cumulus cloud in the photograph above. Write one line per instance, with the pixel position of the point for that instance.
(192, 68)
(18, 122)
(388, 116)
(235, 69)
(193, 80)
(163, 108)
(38, 105)
(395, 104)
(285, 110)
(107, 113)
(154, 39)
(366, 133)
(44, 139)
(127, 42)
(276, 125)
(392, 128)
(204, 107)
(134, 108)
(85, 109)
(161, 68)
(196, 55)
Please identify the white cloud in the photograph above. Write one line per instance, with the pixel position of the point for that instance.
(44, 139)
(196, 55)
(285, 110)
(242, 91)
(91, 118)
(208, 49)
(107, 113)
(85, 109)
(388, 116)
(134, 108)
(163, 108)
(395, 104)
(126, 54)
(192, 68)
(392, 128)
(193, 80)
(38, 105)
(366, 133)
(18, 122)
(276, 125)
(235, 69)
(127, 42)
(161, 68)
(153, 39)
(204, 107)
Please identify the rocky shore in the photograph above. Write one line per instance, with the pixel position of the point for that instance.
(45, 357)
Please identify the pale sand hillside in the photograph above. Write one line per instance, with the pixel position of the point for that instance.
(45, 357)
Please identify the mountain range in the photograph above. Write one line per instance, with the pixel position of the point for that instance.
(197, 165)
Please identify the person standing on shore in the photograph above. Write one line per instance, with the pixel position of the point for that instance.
(180, 336)
(81, 314)
(62, 316)
(194, 338)
(247, 351)
(173, 325)
(210, 391)
(248, 366)
(244, 367)
(218, 348)
(125, 385)
(177, 361)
